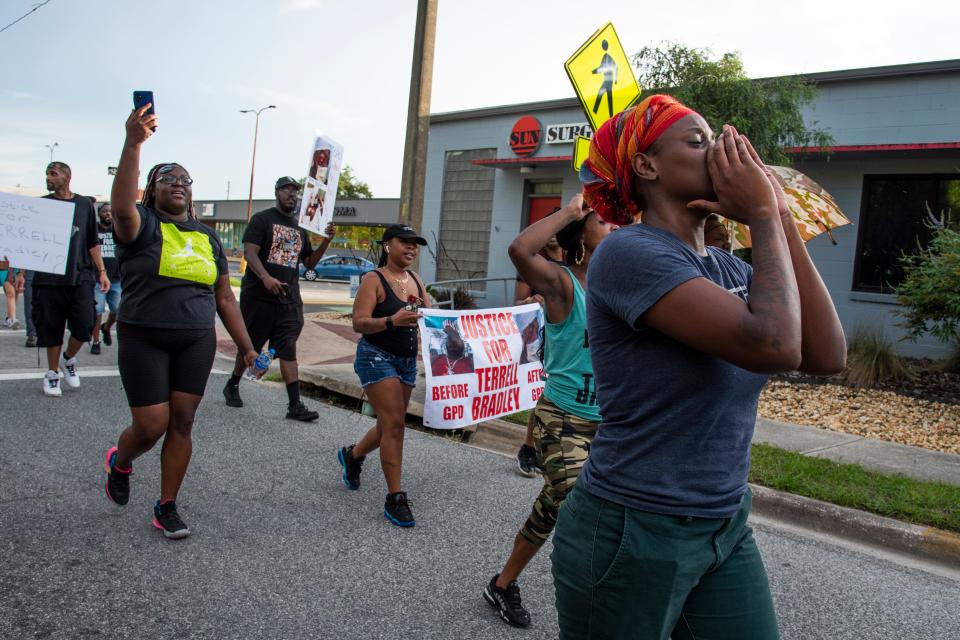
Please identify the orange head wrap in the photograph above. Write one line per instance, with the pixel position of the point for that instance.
(607, 173)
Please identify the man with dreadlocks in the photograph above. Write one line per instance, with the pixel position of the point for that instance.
(270, 300)
(175, 282)
(66, 301)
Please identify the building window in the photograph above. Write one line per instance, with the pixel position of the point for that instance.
(465, 215)
(895, 220)
(546, 188)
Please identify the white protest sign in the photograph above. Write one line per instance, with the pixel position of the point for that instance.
(319, 193)
(35, 232)
(480, 363)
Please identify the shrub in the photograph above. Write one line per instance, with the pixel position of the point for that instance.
(462, 299)
(930, 291)
(871, 359)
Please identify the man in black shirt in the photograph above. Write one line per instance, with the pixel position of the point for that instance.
(270, 302)
(66, 301)
(111, 298)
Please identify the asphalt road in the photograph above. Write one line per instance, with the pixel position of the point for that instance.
(280, 549)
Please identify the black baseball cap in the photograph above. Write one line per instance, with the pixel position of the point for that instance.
(403, 232)
(284, 181)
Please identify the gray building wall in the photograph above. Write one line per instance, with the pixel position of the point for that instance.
(912, 104)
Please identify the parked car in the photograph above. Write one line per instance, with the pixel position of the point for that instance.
(337, 268)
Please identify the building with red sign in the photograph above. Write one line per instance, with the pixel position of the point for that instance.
(896, 155)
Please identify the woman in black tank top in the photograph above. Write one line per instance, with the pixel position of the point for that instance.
(385, 314)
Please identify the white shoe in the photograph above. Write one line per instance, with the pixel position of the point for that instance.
(51, 384)
(69, 369)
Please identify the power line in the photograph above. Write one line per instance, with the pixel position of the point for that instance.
(35, 7)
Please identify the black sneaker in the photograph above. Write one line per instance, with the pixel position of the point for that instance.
(232, 393)
(300, 412)
(95, 348)
(397, 510)
(507, 603)
(107, 338)
(351, 467)
(118, 482)
(31, 342)
(527, 461)
(166, 518)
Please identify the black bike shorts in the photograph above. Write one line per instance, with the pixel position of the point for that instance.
(153, 362)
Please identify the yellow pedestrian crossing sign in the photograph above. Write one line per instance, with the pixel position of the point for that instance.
(581, 147)
(602, 76)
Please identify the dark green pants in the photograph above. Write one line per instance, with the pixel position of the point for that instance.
(623, 573)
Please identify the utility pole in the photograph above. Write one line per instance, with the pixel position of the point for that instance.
(418, 116)
(228, 189)
(253, 163)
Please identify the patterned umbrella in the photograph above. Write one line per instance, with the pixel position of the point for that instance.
(814, 210)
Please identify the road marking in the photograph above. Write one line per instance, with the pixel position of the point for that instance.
(84, 373)
(36, 375)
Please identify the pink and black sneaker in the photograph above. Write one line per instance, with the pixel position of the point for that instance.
(118, 480)
(166, 518)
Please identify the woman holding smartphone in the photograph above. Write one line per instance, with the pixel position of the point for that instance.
(385, 314)
(653, 540)
(175, 283)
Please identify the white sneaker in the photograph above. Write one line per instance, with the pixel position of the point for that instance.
(69, 369)
(51, 384)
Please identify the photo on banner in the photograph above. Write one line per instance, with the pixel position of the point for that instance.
(318, 195)
(35, 232)
(480, 364)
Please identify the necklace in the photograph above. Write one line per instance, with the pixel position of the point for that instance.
(399, 285)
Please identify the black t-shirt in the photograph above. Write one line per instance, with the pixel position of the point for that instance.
(108, 250)
(83, 237)
(283, 245)
(169, 273)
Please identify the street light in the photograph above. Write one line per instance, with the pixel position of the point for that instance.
(253, 162)
(51, 147)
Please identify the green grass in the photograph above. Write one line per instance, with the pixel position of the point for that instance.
(849, 485)
(519, 418)
(273, 377)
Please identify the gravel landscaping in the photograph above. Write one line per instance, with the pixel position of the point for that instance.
(922, 412)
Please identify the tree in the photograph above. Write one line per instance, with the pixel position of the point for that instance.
(768, 110)
(351, 187)
(930, 291)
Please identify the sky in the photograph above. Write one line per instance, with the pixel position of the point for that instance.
(342, 67)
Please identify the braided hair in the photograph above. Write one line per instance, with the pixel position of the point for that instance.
(149, 198)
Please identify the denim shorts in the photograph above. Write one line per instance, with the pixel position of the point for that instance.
(373, 365)
(109, 299)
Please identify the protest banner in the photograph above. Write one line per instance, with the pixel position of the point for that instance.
(35, 232)
(318, 196)
(480, 363)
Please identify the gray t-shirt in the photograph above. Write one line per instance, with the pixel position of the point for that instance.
(677, 423)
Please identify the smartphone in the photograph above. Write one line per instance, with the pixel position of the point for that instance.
(143, 98)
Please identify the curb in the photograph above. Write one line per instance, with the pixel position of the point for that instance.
(928, 543)
(862, 527)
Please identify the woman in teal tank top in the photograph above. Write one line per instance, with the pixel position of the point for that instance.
(567, 415)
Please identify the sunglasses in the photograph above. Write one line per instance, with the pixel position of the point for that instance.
(184, 180)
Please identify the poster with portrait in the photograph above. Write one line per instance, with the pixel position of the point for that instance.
(319, 193)
(480, 364)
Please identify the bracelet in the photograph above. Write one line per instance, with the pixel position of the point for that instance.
(389, 323)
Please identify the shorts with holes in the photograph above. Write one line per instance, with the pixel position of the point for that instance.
(374, 365)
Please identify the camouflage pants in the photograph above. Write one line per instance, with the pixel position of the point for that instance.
(562, 442)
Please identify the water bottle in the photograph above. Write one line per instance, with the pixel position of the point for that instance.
(260, 365)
